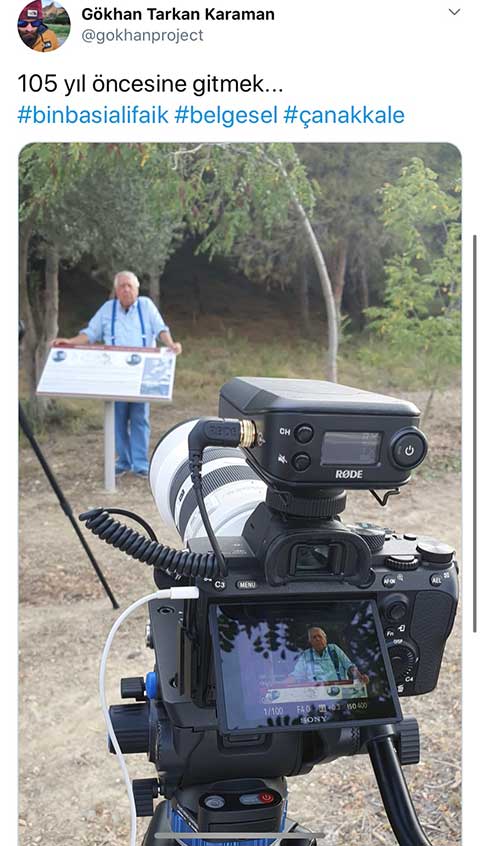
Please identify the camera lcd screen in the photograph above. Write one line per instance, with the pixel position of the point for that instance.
(298, 667)
(342, 448)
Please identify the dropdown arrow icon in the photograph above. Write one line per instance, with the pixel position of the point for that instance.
(454, 12)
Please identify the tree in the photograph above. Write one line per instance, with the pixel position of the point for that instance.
(348, 179)
(231, 190)
(421, 310)
(105, 201)
(44, 172)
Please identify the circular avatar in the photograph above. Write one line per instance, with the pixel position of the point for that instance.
(43, 28)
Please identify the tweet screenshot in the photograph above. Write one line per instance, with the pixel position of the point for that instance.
(240, 572)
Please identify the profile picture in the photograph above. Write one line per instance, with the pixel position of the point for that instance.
(43, 28)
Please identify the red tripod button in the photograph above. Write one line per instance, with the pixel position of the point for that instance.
(266, 798)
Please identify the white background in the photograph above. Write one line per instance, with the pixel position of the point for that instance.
(324, 53)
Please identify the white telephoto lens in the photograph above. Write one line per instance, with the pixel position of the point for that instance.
(231, 488)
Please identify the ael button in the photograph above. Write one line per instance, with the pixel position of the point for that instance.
(436, 580)
(303, 433)
(409, 449)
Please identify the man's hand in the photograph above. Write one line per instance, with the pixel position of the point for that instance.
(176, 348)
(358, 676)
(78, 340)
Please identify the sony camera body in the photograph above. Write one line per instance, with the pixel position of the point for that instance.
(312, 437)
(303, 645)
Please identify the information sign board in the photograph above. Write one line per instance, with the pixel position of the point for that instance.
(109, 373)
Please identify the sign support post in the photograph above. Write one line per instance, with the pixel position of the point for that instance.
(109, 445)
(125, 374)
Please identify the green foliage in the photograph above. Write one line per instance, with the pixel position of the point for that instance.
(347, 179)
(116, 203)
(238, 199)
(421, 310)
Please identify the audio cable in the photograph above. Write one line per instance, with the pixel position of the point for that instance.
(173, 562)
(208, 431)
(215, 431)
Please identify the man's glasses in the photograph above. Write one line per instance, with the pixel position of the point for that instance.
(23, 24)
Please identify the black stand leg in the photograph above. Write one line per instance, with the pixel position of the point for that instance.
(395, 795)
(63, 502)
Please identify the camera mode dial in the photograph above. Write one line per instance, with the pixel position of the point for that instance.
(435, 554)
(374, 536)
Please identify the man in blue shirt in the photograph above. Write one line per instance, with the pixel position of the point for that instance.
(128, 320)
(324, 662)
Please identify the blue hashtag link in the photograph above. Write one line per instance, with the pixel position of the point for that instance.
(24, 114)
(181, 114)
(290, 114)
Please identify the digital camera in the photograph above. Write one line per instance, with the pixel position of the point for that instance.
(307, 629)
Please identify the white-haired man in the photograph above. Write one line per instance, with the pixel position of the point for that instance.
(324, 662)
(128, 320)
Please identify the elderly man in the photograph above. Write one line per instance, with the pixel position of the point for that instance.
(324, 662)
(130, 321)
(33, 31)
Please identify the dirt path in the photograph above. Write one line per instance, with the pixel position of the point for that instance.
(70, 788)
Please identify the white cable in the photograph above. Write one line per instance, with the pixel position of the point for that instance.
(171, 593)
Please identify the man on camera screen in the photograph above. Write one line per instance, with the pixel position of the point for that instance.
(324, 662)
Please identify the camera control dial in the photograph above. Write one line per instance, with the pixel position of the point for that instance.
(403, 658)
(374, 536)
(402, 562)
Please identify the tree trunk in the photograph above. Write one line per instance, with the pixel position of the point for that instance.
(339, 277)
(29, 343)
(363, 293)
(304, 299)
(48, 322)
(325, 283)
(154, 287)
(50, 311)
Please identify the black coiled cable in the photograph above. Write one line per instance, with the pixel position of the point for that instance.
(172, 562)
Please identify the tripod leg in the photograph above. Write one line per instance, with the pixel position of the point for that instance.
(65, 505)
(395, 794)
